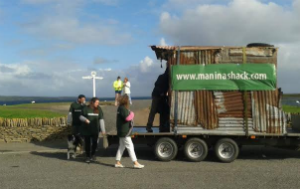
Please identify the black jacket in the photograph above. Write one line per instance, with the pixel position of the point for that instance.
(161, 86)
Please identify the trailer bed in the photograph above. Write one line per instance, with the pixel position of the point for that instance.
(141, 131)
(198, 131)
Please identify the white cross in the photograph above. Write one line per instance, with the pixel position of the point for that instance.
(93, 76)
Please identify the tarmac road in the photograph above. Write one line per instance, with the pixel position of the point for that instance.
(257, 167)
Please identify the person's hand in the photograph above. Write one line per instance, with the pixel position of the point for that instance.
(103, 133)
(87, 121)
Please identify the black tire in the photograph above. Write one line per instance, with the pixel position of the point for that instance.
(165, 149)
(259, 45)
(199, 149)
(226, 150)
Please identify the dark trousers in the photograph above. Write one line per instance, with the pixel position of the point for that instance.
(159, 105)
(164, 117)
(90, 141)
(75, 129)
(153, 111)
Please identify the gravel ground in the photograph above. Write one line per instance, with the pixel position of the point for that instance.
(257, 167)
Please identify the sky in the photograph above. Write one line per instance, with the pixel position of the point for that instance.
(46, 46)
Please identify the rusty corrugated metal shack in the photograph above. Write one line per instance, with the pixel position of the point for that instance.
(252, 111)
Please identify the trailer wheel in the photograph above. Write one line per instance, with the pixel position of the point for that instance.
(166, 149)
(226, 150)
(195, 149)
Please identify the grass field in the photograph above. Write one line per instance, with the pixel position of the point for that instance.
(14, 112)
(42, 110)
(34, 110)
(291, 109)
(292, 95)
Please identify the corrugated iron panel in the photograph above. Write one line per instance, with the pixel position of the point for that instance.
(225, 109)
(163, 47)
(255, 52)
(203, 103)
(268, 117)
(253, 55)
(230, 107)
(206, 110)
(235, 122)
(186, 48)
(186, 108)
(231, 104)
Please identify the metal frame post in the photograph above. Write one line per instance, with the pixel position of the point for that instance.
(176, 96)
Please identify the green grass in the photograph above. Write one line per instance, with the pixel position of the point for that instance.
(41, 105)
(292, 95)
(27, 111)
(291, 109)
(41, 110)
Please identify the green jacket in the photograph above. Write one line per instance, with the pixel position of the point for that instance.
(93, 128)
(123, 126)
(76, 110)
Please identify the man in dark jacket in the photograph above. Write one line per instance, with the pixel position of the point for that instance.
(160, 103)
(74, 114)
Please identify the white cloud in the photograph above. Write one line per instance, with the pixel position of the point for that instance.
(14, 70)
(163, 42)
(146, 64)
(237, 23)
(70, 29)
(165, 16)
(62, 20)
(288, 67)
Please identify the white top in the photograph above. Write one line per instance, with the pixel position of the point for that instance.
(127, 87)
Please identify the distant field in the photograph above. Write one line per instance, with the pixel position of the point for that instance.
(15, 112)
(45, 110)
(291, 109)
(50, 110)
(292, 95)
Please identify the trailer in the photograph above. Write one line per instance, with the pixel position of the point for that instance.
(220, 98)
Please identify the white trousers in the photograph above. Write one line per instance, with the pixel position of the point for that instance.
(126, 142)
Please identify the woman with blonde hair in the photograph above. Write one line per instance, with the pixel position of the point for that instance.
(124, 129)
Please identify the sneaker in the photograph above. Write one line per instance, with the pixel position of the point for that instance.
(119, 166)
(88, 160)
(139, 166)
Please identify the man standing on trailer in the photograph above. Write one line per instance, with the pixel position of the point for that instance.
(74, 114)
(160, 103)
